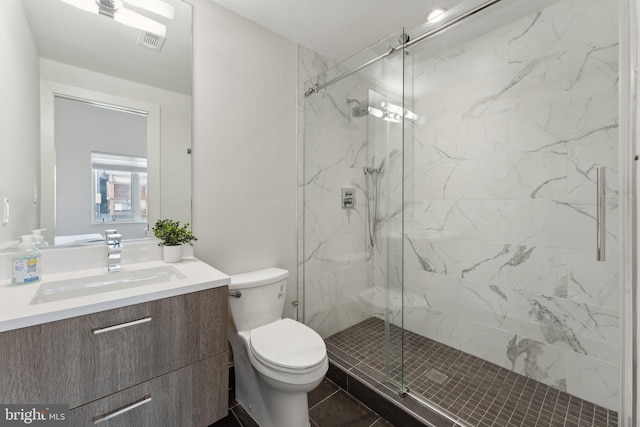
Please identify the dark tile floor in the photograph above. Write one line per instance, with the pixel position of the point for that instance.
(471, 390)
(329, 406)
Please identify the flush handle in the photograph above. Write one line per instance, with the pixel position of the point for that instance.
(235, 294)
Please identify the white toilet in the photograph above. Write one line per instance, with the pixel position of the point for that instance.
(277, 361)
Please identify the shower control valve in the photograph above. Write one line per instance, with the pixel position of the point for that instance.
(348, 197)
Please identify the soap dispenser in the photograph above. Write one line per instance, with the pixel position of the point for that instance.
(38, 238)
(26, 263)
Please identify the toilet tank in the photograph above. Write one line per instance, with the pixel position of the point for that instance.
(261, 297)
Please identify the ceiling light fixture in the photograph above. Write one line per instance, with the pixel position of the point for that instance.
(398, 111)
(435, 15)
(116, 10)
(375, 112)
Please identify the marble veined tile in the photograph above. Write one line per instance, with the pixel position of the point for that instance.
(594, 380)
(477, 138)
(559, 124)
(324, 183)
(346, 313)
(572, 70)
(471, 179)
(498, 197)
(586, 329)
(526, 176)
(329, 108)
(593, 282)
(580, 328)
(583, 163)
(526, 356)
(464, 299)
(311, 63)
(585, 321)
(567, 224)
(325, 290)
(336, 147)
(324, 219)
(459, 219)
(334, 253)
(541, 269)
(536, 176)
(565, 25)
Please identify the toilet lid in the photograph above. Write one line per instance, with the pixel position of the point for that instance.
(288, 344)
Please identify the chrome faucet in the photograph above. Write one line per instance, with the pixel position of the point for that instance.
(114, 250)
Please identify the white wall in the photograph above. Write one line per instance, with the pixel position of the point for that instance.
(244, 158)
(19, 121)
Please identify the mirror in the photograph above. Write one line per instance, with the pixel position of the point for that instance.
(71, 54)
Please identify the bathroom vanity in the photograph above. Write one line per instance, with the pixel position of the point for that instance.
(146, 355)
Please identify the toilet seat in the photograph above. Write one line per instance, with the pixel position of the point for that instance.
(288, 346)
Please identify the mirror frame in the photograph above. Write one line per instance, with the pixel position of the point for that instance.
(48, 91)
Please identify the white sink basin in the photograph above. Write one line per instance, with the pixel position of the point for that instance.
(91, 285)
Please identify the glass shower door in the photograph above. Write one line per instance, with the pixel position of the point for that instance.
(513, 169)
(386, 138)
(352, 210)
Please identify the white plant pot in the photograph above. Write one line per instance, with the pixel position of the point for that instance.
(172, 253)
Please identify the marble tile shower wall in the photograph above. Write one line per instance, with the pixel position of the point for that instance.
(310, 64)
(500, 199)
(334, 266)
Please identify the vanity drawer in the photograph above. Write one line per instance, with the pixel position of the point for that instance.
(190, 396)
(88, 357)
(82, 359)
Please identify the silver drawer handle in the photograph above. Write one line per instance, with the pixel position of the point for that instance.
(121, 325)
(101, 418)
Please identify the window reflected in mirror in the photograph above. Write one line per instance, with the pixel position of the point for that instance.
(120, 184)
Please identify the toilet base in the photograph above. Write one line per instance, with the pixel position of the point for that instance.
(268, 402)
(283, 410)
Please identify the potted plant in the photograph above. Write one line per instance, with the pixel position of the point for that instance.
(172, 236)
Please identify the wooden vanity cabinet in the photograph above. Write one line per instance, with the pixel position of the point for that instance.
(179, 398)
(89, 360)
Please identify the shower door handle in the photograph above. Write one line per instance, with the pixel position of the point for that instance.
(601, 232)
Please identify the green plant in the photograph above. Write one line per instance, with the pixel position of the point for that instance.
(172, 234)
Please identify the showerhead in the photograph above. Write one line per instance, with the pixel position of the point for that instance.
(360, 110)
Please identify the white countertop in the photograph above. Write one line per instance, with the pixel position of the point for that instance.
(17, 311)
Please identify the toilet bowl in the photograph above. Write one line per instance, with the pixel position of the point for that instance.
(277, 361)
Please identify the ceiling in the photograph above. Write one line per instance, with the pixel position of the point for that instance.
(336, 29)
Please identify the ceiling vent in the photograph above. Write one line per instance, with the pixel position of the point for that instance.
(151, 41)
